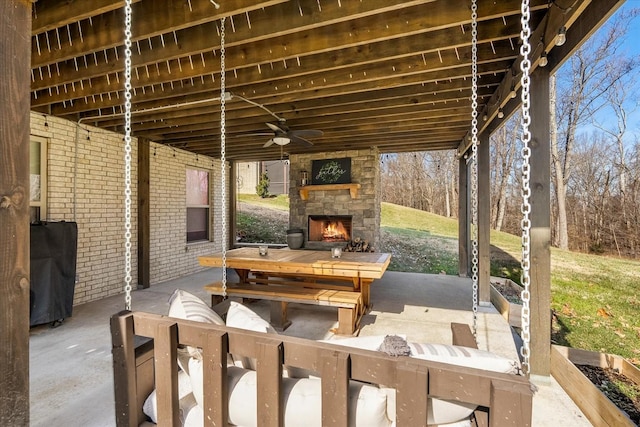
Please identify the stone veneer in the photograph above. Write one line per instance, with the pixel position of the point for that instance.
(365, 209)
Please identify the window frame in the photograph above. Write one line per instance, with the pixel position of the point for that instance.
(191, 206)
(38, 208)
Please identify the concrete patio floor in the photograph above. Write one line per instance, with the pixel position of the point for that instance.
(71, 379)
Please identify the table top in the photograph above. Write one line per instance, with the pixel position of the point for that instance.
(320, 263)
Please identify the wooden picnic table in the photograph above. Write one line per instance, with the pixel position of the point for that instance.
(359, 269)
(303, 276)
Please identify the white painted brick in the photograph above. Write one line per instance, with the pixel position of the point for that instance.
(99, 209)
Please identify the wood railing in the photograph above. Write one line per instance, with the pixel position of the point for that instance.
(503, 399)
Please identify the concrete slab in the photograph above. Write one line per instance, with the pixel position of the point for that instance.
(71, 376)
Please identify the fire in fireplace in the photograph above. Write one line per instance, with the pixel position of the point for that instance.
(329, 228)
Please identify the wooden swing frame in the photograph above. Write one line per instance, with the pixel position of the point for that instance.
(145, 350)
(145, 358)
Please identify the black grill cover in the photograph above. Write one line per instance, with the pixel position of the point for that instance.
(53, 271)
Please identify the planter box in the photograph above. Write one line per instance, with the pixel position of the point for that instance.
(594, 404)
(510, 311)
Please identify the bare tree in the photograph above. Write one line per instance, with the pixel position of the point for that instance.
(617, 101)
(588, 193)
(586, 79)
(421, 180)
(503, 154)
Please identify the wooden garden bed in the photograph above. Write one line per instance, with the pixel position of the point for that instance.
(510, 310)
(594, 404)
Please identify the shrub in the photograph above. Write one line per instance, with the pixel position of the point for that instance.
(262, 189)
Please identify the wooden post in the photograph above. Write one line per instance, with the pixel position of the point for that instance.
(124, 369)
(463, 218)
(144, 212)
(15, 63)
(231, 214)
(540, 225)
(484, 220)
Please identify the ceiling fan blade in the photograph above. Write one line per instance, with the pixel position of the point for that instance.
(297, 138)
(276, 128)
(306, 133)
(268, 143)
(254, 134)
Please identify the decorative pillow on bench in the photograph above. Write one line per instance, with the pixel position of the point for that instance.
(443, 411)
(183, 305)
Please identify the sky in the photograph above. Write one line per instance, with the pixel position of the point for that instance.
(632, 46)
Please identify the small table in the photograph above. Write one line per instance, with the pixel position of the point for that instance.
(359, 269)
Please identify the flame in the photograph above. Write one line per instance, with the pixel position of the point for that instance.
(335, 230)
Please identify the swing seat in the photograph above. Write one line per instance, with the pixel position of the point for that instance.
(342, 382)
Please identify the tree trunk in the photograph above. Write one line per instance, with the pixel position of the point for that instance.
(561, 239)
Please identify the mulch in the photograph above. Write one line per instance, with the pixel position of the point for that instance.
(607, 380)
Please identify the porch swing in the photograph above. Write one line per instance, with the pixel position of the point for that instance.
(355, 385)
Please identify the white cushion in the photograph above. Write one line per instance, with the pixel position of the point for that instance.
(464, 356)
(372, 342)
(241, 316)
(183, 305)
(443, 411)
(185, 396)
(302, 397)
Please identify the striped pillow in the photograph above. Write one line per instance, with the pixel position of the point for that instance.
(183, 305)
(463, 356)
(442, 411)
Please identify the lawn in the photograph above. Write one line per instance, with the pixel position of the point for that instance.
(595, 299)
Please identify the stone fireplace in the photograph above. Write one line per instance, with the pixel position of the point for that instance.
(316, 209)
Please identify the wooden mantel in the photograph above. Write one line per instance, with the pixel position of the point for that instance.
(353, 189)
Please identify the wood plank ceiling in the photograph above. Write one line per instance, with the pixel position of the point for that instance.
(385, 73)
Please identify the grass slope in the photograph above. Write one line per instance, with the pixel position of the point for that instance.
(594, 298)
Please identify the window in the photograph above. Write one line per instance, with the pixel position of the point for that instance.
(38, 179)
(197, 205)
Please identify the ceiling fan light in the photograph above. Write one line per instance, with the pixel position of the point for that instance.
(281, 140)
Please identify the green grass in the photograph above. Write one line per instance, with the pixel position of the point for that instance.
(595, 299)
(280, 202)
(414, 219)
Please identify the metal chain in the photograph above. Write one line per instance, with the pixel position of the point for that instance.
(474, 163)
(525, 66)
(223, 159)
(127, 155)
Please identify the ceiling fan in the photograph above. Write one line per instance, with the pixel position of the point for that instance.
(282, 135)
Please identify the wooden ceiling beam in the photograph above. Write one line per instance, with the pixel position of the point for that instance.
(333, 121)
(432, 66)
(316, 107)
(384, 124)
(384, 145)
(105, 31)
(429, 82)
(287, 48)
(194, 32)
(49, 15)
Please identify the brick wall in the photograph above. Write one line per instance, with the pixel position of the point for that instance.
(98, 204)
(365, 209)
